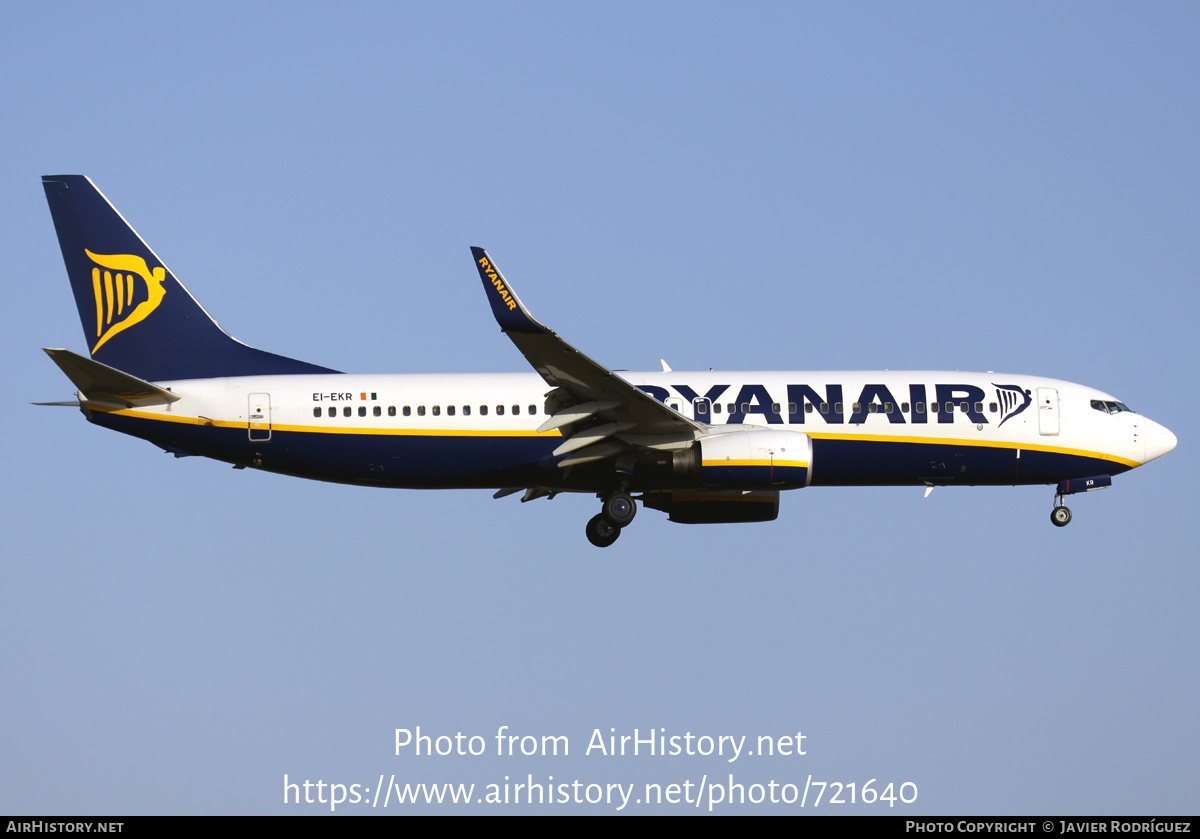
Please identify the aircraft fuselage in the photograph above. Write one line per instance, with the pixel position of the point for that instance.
(480, 430)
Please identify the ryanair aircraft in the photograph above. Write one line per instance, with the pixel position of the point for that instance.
(701, 447)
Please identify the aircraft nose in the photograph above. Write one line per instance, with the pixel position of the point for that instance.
(1159, 441)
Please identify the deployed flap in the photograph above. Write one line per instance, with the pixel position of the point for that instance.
(563, 366)
(103, 384)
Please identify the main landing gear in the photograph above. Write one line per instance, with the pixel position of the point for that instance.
(618, 510)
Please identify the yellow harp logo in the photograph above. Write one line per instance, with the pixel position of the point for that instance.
(114, 287)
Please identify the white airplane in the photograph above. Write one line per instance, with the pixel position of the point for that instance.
(703, 447)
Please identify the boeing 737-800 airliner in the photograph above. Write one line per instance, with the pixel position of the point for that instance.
(702, 447)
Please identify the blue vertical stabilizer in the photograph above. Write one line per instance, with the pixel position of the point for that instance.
(136, 316)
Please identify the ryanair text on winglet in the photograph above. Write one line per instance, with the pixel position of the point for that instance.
(495, 278)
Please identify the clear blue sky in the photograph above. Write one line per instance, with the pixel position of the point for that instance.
(1008, 187)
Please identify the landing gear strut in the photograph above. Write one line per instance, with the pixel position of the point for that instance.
(1060, 515)
(618, 511)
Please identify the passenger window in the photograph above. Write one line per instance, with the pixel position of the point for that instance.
(420, 410)
(701, 407)
(732, 407)
(437, 410)
(808, 407)
(450, 410)
(824, 407)
(904, 407)
(920, 407)
(963, 406)
(316, 412)
(516, 410)
(378, 411)
(774, 407)
(979, 407)
(407, 411)
(483, 410)
(887, 407)
(499, 410)
(745, 407)
(346, 411)
(362, 410)
(466, 410)
(933, 407)
(993, 407)
(873, 407)
(391, 410)
(533, 410)
(716, 407)
(857, 407)
(837, 407)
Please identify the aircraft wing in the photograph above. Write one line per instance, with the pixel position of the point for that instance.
(601, 414)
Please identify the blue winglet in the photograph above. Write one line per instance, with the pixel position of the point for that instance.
(510, 313)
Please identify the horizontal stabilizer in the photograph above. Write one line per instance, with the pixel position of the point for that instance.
(102, 384)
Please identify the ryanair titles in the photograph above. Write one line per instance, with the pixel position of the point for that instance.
(487, 268)
(918, 404)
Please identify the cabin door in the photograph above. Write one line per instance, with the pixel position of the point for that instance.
(260, 417)
(1047, 411)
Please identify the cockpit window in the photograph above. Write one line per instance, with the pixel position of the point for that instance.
(1108, 407)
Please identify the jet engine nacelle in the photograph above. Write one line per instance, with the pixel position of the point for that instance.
(756, 458)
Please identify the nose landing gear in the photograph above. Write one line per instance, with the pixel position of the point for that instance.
(1061, 515)
(618, 510)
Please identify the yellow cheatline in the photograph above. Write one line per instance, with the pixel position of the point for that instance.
(317, 429)
(777, 463)
(963, 441)
(443, 432)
